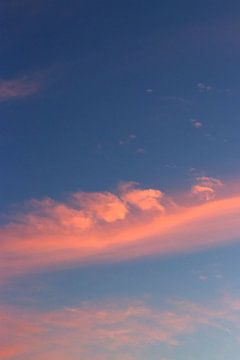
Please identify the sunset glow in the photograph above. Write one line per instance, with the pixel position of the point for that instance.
(120, 182)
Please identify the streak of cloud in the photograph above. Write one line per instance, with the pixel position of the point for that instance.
(19, 88)
(107, 227)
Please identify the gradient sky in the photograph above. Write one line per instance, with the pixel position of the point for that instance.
(120, 190)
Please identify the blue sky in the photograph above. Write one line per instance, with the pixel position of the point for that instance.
(120, 198)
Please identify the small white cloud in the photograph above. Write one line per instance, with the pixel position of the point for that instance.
(196, 123)
(140, 151)
(127, 140)
(204, 87)
(149, 91)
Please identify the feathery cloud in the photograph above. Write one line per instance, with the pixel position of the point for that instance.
(108, 330)
(19, 88)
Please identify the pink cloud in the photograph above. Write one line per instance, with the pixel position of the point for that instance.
(101, 206)
(113, 330)
(146, 199)
(19, 88)
(206, 187)
(100, 227)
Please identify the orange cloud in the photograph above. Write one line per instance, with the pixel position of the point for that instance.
(113, 330)
(146, 199)
(101, 206)
(95, 227)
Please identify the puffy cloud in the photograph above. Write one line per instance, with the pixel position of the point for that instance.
(146, 199)
(103, 206)
(106, 227)
(206, 187)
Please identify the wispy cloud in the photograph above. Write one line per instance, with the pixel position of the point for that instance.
(134, 222)
(206, 187)
(204, 87)
(141, 151)
(117, 329)
(127, 140)
(175, 100)
(19, 88)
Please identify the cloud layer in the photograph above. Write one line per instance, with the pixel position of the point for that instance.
(100, 227)
(111, 330)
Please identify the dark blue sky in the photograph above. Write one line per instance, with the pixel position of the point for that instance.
(108, 70)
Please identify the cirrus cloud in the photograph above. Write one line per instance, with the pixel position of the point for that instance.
(116, 329)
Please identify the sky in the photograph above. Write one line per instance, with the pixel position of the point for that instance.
(120, 180)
